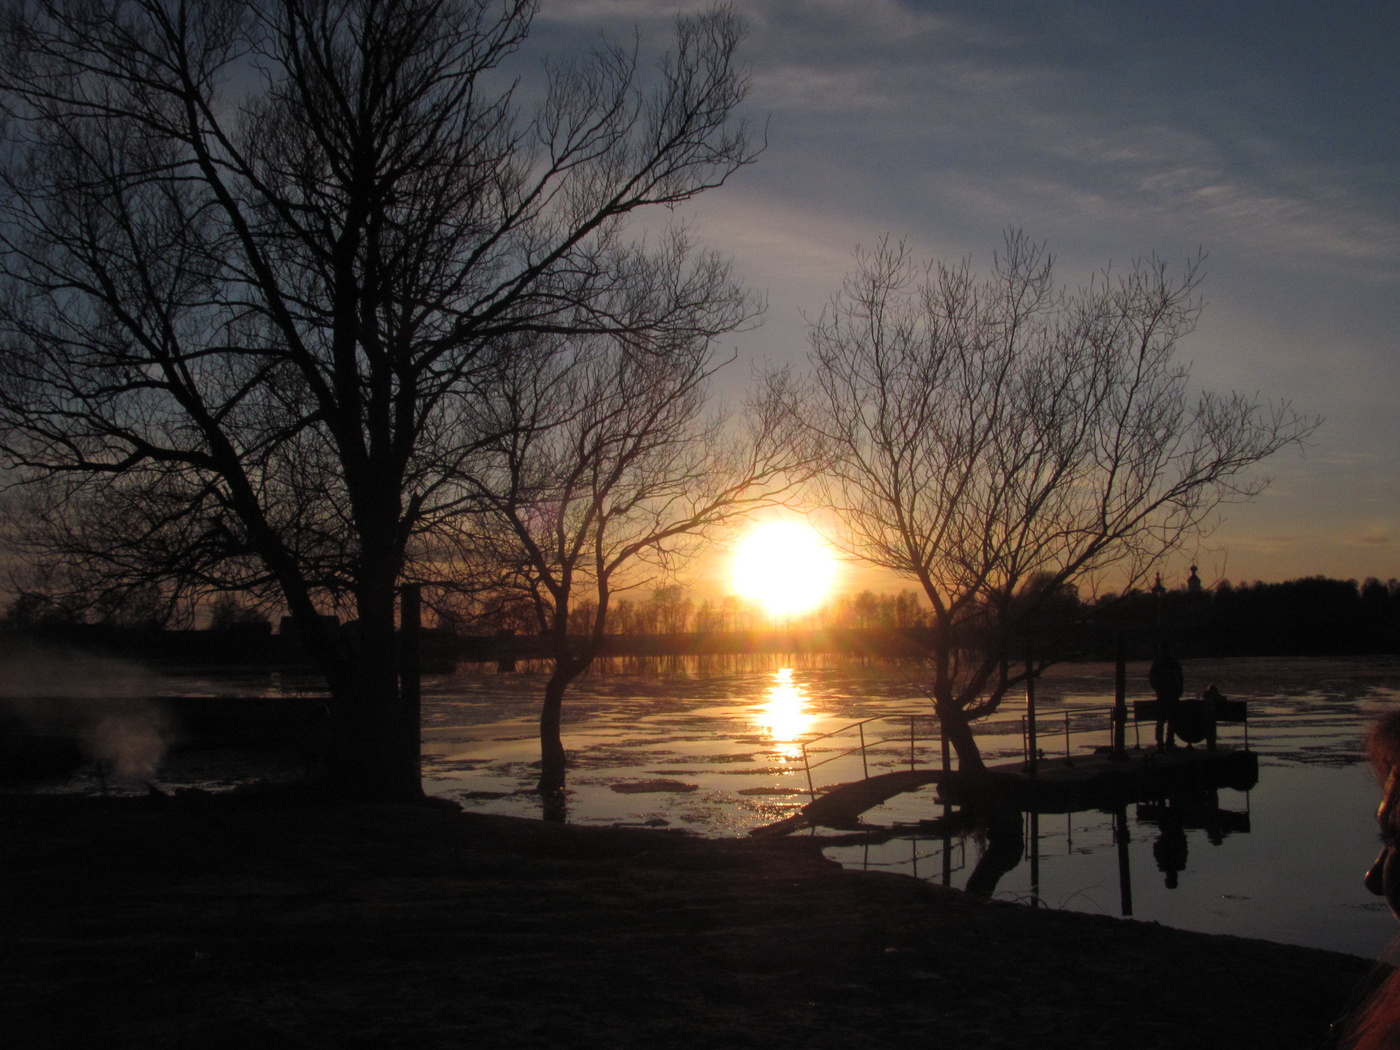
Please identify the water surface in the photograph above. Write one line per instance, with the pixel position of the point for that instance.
(719, 753)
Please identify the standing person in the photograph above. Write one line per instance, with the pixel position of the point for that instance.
(1167, 682)
(1378, 1024)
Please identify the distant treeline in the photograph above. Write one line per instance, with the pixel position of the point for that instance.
(1314, 616)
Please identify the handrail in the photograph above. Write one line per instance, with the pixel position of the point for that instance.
(864, 746)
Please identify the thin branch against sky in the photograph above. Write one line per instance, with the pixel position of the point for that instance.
(1266, 135)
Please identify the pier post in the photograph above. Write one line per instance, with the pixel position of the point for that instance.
(1120, 698)
(410, 669)
(1030, 721)
(1121, 839)
(1033, 845)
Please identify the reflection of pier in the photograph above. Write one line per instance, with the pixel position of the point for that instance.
(1174, 791)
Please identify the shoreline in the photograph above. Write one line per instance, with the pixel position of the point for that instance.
(280, 922)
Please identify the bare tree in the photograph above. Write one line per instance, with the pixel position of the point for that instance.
(609, 473)
(996, 439)
(261, 260)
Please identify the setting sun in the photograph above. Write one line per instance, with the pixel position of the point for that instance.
(785, 566)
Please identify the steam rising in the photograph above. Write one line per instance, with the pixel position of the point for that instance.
(131, 742)
(101, 703)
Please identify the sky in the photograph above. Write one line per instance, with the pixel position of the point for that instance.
(1264, 134)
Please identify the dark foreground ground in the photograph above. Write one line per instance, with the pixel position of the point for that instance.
(191, 922)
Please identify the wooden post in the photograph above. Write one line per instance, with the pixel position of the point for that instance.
(410, 668)
(1121, 838)
(1120, 698)
(1034, 844)
(1030, 720)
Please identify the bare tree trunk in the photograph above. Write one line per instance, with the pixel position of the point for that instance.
(369, 752)
(552, 756)
(958, 730)
(952, 718)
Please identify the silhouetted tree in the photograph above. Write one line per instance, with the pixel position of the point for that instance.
(615, 493)
(263, 262)
(997, 439)
(32, 611)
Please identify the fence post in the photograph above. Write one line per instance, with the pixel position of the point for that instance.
(864, 767)
(1030, 719)
(410, 670)
(1120, 698)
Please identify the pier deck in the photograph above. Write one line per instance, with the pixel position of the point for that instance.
(1057, 785)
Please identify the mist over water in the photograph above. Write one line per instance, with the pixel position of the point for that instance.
(102, 703)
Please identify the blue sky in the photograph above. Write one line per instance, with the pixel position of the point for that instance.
(1266, 134)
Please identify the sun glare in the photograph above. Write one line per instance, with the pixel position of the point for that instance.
(785, 566)
(784, 716)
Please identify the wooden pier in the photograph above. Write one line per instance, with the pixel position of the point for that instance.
(1101, 780)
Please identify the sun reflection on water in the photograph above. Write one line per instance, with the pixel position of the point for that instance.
(784, 715)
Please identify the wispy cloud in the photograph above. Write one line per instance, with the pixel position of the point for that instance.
(1109, 130)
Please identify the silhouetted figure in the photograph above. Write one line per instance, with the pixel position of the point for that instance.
(506, 663)
(1211, 699)
(1170, 850)
(1377, 1025)
(1168, 684)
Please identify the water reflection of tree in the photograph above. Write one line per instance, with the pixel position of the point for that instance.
(1004, 844)
(999, 829)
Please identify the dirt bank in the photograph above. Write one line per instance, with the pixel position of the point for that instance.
(214, 923)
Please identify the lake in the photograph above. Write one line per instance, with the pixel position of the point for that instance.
(719, 753)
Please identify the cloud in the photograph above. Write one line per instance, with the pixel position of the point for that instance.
(944, 108)
(594, 13)
(1374, 538)
(1109, 131)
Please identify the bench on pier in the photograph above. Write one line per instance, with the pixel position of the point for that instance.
(1195, 720)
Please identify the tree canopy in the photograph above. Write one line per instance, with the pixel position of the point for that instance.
(998, 438)
(262, 264)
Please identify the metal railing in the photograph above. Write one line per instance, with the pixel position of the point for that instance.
(866, 744)
(1074, 723)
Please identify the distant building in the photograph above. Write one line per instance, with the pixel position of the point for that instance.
(290, 628)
